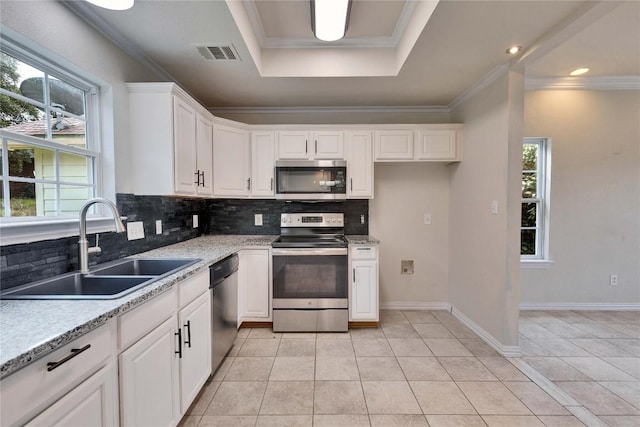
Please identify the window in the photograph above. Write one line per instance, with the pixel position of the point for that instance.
(49, 157)
(535, 199)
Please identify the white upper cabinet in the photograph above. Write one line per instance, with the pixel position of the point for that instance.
(262, 164)
(170, 135)
(394, 144)
(231, 162)
(204, 160)
(297, 144)
(359, 165)
(438, 143)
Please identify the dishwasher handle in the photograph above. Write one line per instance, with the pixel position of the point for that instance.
(223, 269)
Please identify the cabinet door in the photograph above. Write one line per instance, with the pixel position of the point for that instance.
(364, 291)
(328, 145)
(262, 164)
(184, 134)
(293, 145)
(360, 165)
(149, 379)
(92, 403)
(231, 162)
(393, 144)
(437, 145)
(204, 151)
(195, 365)
(254, 285)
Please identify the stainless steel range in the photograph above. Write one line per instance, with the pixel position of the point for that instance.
(310, 278)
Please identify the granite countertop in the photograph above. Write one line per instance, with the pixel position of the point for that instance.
(30, 329)
(359, 239)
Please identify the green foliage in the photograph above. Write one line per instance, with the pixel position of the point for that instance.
(13, 111)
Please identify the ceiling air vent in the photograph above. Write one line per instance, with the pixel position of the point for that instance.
(217, 53)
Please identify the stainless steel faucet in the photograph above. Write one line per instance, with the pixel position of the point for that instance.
(83, 244)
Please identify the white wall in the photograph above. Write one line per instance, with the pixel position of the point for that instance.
(595, 196)
(77, 46)
(483, 267)
(403, 194)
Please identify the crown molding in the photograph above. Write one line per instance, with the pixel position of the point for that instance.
(344, 109)
(586, 83)
(84, 11)
(485, 81)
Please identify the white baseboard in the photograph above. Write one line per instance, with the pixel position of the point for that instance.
(505, 350)
(612, 306)
(400, 305)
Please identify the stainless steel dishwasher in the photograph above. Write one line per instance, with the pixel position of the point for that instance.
(224, 308)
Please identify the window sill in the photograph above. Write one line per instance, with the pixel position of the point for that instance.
(536, 264)
(33, 231)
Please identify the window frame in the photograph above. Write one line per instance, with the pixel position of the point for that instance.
(17, 230)
(542, 200)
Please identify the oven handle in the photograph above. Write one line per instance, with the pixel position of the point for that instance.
(309, 251)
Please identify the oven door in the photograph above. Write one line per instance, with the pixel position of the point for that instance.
(310, 278)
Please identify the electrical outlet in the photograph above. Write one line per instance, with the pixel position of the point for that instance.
(406, 266)
(427, 219)
(159, 226)
(361, 219)
(195, 221)
(613, 280)
(494, 207)
(257, 219)
(135, 230)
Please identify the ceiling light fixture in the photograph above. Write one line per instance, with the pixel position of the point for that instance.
(113, 4)
(330, 19)
(579, 71)
(514, 49)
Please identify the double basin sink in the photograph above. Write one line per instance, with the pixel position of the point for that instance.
(109, 281)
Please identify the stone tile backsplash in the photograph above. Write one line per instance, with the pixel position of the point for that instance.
(24, 263)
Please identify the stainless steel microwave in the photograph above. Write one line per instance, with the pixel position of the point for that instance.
(311, 179)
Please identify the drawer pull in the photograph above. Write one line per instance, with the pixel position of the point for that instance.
(187, 327)
(74, 352)
(363, 249)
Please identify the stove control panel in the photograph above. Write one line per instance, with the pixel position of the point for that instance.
(312, 220)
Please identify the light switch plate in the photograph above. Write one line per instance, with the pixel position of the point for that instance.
(195, 221)
(135, 230)
(427, 219)
(494, 207)
(159, 226)
(257, 219)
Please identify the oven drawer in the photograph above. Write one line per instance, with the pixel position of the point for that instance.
(301, 320)
(364, 252)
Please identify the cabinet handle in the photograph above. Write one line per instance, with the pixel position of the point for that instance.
(351, 184)
(202, 178)
(363, 249)
(316, 147)
(354, 275)
(179, 335)
(271, 184)
(306, 146)
(74, 352)
(187, 328)
(249, 184)
(197, 174)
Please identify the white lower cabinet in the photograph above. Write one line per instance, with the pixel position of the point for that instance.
(254, 285)
(92, 403)
(166, 354)
(195, 364)
(363, 299)
(149, 391)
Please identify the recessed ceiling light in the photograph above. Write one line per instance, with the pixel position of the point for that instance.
(113, 4)
(579, 71)
(514, 49)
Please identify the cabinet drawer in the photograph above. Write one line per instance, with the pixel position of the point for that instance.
(30, 390)
(136, 323)
(192, 287)
(364, 252)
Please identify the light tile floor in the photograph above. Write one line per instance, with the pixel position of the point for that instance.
(425, 368)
